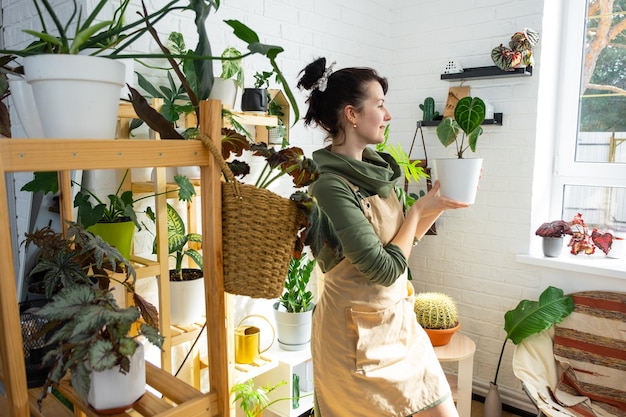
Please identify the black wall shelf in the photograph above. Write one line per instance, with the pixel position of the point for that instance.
(488, 72)
(497, 120)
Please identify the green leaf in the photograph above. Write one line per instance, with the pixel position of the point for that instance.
(102, 356)
(186, 189)
(43, 181)
(81, 380)
(447, 131)
(152, 334)
(469, 113)
(530, 317)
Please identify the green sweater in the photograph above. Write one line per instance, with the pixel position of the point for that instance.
(376, 174)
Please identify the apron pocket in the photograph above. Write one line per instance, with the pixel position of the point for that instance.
(381, 338)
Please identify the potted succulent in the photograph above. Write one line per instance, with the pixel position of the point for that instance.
(459, 177)
(293, 310)
(114, 221)
(552, 234)
(186, 284)
(437, 314)
(91, 335)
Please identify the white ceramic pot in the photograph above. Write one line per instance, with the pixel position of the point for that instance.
(25, 106)
(458, 177)
(77, 96)
(293, 329)
(112, 391)
(224, 91)
(186, 301)
(191, 172)
(552, 246)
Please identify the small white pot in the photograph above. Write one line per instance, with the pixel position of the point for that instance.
(112, 391)
(186, 301)
(293, 329)
(77, 96)
(458, 177)
(224, 91)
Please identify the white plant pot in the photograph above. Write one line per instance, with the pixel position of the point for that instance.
(458, 178)
(294, 329)
(552, 246)
(191, 172)
(112, 391)
(186, 301)
(76, 96)
(224, 91)
(25, 106)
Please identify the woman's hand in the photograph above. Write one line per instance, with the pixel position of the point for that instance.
(433, 204)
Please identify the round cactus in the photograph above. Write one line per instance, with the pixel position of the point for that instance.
(435, 310)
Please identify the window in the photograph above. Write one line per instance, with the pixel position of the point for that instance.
(590, 168)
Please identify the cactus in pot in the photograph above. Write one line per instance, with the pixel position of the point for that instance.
(437, 314)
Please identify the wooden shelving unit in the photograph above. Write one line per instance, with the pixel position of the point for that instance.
(497, 121)
(26, 155)
(487, 72)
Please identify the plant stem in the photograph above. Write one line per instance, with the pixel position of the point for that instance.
(495, 380)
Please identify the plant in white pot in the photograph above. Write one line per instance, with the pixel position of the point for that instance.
(61, 72)
(186, 284)
(92, 337)
(552, 234)
(293, 310)
(114, 221)
(231, 79)
(459, 176)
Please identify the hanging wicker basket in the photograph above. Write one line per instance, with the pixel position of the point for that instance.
(259, 231)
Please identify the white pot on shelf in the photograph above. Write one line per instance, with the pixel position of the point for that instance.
(112, 391)
(293, 329)
(458, 177)
(76, 96)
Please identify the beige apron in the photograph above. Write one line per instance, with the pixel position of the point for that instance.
(370, 356)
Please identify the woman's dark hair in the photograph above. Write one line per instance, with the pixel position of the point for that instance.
(346, 86)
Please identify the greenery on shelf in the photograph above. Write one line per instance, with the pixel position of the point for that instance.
(177, 240)
(88, 330)
(120, 206)
(469, 114)
(296, 298)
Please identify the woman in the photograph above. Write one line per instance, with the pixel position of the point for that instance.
(370, 357)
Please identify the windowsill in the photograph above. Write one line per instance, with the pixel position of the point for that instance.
(596, 264)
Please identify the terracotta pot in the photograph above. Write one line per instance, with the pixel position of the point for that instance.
(441, 337)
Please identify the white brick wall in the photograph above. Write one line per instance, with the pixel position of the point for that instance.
(473, 256)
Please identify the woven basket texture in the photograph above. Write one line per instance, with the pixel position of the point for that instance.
(259, 232)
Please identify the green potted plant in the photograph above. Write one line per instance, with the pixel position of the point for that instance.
(294, 308)
(92, 337)
(186, 284)
(256, 98)
(230, 80)
(437, 314)
(552, 234)
(115, 220)
(528, 317)
(459, 176)
(61, 73)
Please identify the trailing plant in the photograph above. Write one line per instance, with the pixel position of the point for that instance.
(253, 400)
(177, 240)
(120, 206)
(88, 330)
(296, 298)
(435, 310)
(469, 114)
(530, 317)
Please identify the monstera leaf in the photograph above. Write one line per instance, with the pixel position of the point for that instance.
(530, 317)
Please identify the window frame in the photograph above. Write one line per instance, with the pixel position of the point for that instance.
(566, 170)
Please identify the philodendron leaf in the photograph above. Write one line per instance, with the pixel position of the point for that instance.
(469, 113)
(530, 317)
(447, 131)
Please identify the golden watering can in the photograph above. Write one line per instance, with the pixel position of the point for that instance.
(248, 341)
